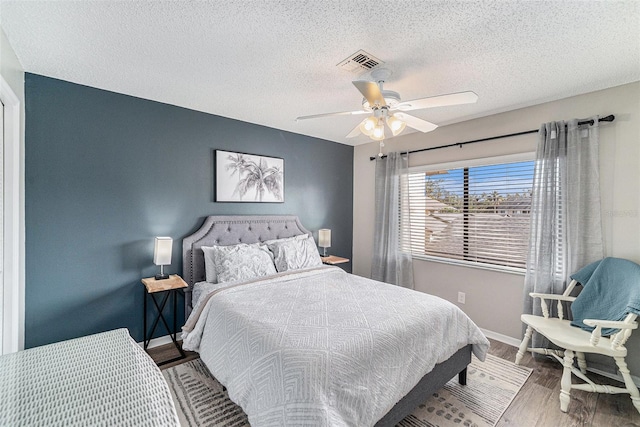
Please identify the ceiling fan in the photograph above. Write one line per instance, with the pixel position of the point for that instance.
(385, 106)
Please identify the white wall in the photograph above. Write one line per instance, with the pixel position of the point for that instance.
(13, 73)
(494, 299)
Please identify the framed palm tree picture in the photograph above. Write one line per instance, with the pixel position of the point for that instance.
(242, 177)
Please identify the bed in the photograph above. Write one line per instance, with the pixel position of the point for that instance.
(99, 380)
(319, 346)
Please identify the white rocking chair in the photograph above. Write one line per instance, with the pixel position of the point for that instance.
(577, 342)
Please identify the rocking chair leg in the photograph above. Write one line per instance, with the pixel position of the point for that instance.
(582, 362)
(565, 383)
(524, 344)
(628, 382)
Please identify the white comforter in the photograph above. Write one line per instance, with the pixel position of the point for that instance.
(323, 347)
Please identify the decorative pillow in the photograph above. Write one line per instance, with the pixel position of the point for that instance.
(295, 253)
(286, 239)
(242, 262)
(266, 243)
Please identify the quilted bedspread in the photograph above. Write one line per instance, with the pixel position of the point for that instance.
(104, 379)
(323, 347)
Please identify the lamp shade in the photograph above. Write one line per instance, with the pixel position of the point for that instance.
(378, 132)
(324, 238)
(396, 125)
(367, 125)
(162, 251)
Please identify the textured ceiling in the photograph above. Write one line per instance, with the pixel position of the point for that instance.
(267, 62)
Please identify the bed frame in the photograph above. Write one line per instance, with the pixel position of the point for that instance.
(231, 230)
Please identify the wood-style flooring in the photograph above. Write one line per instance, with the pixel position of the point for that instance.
(537, 404)
(167, 352)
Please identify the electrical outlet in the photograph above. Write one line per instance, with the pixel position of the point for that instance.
(461, 297)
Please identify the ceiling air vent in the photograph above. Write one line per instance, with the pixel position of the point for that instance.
(360, 62)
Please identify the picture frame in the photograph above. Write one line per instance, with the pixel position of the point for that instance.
(248, 178)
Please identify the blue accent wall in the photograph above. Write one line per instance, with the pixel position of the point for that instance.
(106, 173)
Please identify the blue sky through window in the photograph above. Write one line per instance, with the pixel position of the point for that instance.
(507, 178)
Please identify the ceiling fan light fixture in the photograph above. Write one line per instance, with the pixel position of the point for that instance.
(378, 132)
(396, 125)
(368, 125)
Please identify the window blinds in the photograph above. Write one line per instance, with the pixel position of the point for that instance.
(478, 214)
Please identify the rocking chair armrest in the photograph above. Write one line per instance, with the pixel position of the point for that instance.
(615, 324)
(555, 297)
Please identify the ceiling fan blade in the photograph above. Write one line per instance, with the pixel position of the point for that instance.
(438, 101)
(343, 113)
(370, 91)
(356, 131)
(416, 123)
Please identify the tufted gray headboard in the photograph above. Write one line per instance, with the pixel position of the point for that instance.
(231, 230)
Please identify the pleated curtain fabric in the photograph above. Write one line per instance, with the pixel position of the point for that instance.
(390, 264)
(566, 230)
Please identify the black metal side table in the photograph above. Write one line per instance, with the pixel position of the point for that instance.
(169, 288)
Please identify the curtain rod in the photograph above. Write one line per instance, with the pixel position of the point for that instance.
(609, 118)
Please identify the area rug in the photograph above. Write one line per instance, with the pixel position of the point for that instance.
(201, 401)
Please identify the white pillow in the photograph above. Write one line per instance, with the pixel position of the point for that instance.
(293, 254)
(209, 264)
(241, 262)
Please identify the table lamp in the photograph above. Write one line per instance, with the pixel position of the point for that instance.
(162, 255)
(324, 240)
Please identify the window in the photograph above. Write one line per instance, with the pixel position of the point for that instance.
(476, 212)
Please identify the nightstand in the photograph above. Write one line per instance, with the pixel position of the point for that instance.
(333, 260)
(168, 288)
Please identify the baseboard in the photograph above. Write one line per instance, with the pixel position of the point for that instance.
(501, 337)
(157, 342)
(516, 343)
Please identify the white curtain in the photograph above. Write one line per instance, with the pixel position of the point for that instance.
(390, 264)
(566, 231)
